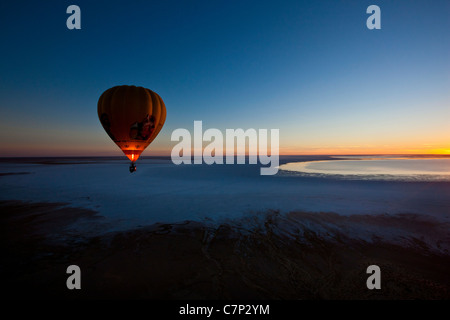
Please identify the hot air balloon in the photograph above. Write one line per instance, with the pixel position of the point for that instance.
(132, 117)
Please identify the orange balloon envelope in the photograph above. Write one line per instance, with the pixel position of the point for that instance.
(132, 117)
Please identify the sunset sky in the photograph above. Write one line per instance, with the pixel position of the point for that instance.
(308, 68)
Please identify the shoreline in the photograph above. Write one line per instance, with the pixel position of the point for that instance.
(266, 256)
(434, 169)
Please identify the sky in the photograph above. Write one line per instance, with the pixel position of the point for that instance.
(311, 69)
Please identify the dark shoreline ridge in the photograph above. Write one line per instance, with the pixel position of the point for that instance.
(263, 256)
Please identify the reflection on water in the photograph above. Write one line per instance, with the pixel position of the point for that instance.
(382, 167)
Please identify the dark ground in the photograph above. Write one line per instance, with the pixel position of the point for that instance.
(298, 256)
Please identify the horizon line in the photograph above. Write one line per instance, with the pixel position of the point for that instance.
(235, 155)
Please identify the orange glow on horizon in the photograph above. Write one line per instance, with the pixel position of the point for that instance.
(133, 155)
(363, 151)
(440, 151)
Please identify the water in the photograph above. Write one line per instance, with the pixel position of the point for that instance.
(163, 192)
(376, 168)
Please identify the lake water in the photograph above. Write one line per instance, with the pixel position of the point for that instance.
(376, 168)
(160, 191)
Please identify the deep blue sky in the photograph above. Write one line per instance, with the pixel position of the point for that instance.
(310, 68)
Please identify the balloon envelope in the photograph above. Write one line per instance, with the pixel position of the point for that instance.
(132, 117)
